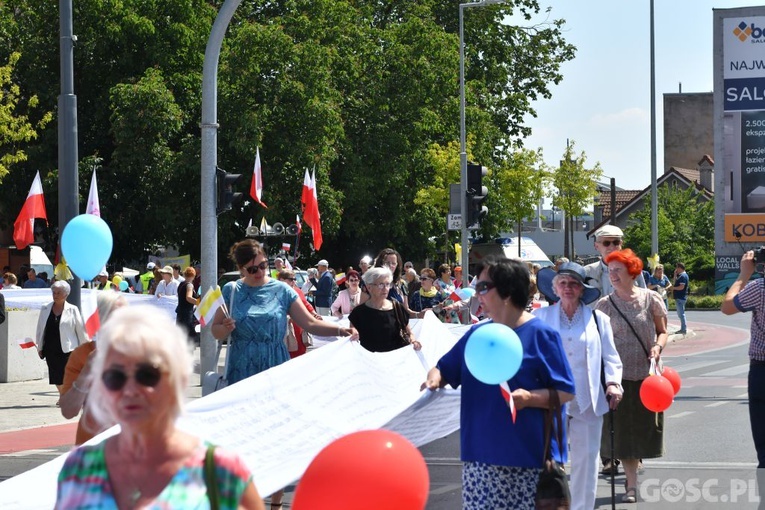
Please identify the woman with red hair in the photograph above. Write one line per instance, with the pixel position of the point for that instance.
(638, 320)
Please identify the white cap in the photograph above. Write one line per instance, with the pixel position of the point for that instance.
(323, 262)
(151, 265)
(103, 273)
(609, 231)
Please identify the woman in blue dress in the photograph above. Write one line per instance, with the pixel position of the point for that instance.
(257, 320)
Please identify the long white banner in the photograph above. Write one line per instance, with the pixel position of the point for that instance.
(279, 420)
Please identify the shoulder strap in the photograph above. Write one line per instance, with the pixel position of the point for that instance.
(602, 364)
(551, 414)
(210, 479)
(637, 337)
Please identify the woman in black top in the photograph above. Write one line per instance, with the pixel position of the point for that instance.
(187, 298)
(380, 321)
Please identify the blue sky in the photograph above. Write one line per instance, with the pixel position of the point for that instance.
(603, 102)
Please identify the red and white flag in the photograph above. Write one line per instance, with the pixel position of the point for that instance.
(311, 214)
(256, 188)
(508, 396)
(90, 313)
(34, 207)
(26, 343)
(299, 225)
(93, 206)
(340, 278)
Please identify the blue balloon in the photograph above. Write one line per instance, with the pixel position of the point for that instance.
(123, 285)
(466, 293)
(86, 244)
(493, 353)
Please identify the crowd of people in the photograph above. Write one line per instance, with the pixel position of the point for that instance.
(590, 347)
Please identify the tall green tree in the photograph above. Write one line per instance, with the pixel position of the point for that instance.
(518, 187)
(359, 90)
(686, 229)
(16, 127)
(574, 188)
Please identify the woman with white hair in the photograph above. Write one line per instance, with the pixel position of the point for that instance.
(60, 329)
(382, 324)
(141, 370)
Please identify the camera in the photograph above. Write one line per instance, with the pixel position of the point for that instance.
(759, 255)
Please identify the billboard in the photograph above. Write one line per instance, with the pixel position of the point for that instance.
(739, 97)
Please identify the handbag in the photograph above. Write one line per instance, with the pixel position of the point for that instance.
(552, 489)
(402, 322)
(212, 380)
(289, 337)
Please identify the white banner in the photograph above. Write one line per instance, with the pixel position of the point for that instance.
(34, 299)
(279, 420)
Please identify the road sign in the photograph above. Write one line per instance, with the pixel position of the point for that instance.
(453, 221)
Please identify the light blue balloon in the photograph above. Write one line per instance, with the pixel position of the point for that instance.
(466, 293)
(86, 244)
(123, 285)
(493, 353)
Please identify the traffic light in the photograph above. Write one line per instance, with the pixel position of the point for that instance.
(476, 194)
(226, 198)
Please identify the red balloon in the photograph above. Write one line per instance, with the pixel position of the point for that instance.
(656, 393)
(673, 377)
(371, 469)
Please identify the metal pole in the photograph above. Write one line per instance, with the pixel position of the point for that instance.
(209, 126)
(654, 194)
(463, 159)
(68, 178)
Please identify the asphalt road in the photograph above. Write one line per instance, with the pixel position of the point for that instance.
(707, 433)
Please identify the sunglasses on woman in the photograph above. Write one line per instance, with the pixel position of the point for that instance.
(423, 278)
(483, 287)
(353, 280)
(145, 374)
(255, 267)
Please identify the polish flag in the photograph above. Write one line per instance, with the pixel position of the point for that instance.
(90, 313)
(340, 278)
(26, 343)
(508, 396)
(311, 208)
(299, 225)
(256, 188)
(454, 296)
(34, 207)
(93, 206)
(286, 246)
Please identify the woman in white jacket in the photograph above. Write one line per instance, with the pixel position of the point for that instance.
(59, 330)
(589, 345)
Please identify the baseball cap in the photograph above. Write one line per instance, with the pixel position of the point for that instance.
(151, 265)
(103, 273)
(609, 231)
(323, 262)
(166, 269)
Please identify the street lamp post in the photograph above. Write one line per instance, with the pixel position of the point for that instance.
(463, 150)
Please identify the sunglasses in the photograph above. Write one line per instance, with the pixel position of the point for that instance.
(617, 242)
(483, 287)
(290, 279)
(423, 278)
(353, 280)
(255, 267)
(145, 374)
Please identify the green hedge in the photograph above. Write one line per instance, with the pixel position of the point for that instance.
(700, 302)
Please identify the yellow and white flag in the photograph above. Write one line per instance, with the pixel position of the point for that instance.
(208, 305)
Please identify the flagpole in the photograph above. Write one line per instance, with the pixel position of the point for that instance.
(297, 243)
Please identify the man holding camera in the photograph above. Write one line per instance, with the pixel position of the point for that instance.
(750, 297)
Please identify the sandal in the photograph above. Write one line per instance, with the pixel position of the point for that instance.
(630, 496)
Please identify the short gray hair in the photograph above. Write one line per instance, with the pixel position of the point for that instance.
(146, 333)
(61, 285)
(375, 273)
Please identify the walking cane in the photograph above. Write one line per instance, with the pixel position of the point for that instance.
(611, 432)
(613, 483)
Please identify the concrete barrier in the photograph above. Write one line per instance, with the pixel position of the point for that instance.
(17, 364)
